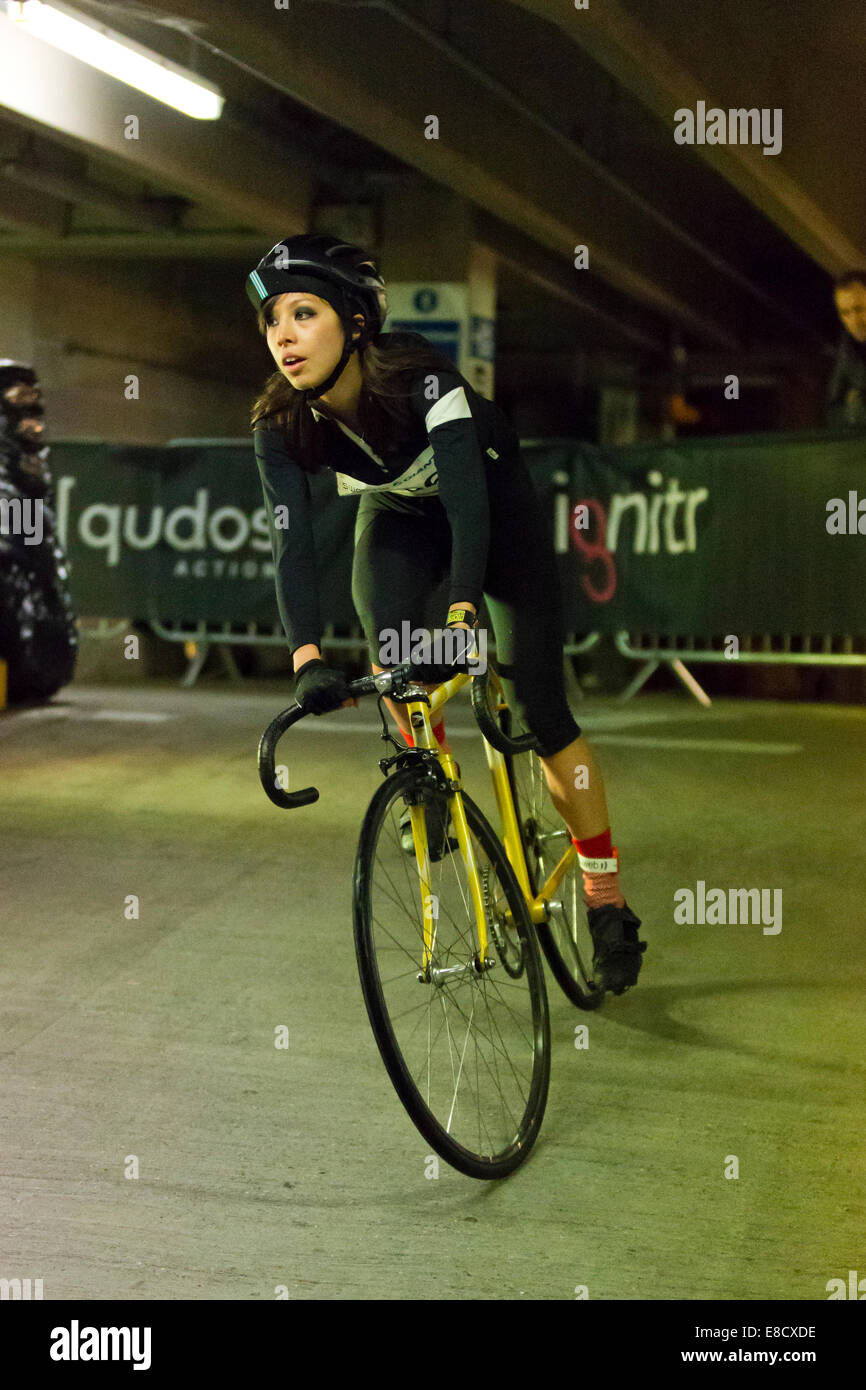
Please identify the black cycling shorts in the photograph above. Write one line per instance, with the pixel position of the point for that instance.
(403, 553)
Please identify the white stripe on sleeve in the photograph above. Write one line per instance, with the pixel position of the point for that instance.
(452, 406)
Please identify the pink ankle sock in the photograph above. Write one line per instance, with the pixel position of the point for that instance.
(599, 888)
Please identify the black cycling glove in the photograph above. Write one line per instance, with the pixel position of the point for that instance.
(319, 688)
(452, 652)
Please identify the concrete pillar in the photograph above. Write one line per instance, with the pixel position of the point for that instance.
(17, 282)
(441, 282)
(615, 378)
(478, 365)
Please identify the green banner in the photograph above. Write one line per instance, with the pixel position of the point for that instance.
(710, 537)
(179, 533)
(746, 535)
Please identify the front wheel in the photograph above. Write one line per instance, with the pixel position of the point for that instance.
(466, 1041)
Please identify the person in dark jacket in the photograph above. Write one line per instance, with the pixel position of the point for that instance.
(38, 636)
(846, 393)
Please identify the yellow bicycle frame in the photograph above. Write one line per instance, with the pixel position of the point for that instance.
(422, 719)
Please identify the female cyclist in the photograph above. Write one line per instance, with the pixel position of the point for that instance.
(443, 490)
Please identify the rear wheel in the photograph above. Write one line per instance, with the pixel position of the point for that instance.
(565, 937)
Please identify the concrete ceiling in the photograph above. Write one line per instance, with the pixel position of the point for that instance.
(806, 58)
(553, 127)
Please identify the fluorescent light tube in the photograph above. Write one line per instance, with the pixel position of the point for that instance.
(120, 57)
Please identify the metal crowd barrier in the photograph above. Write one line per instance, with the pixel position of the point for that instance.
(198, 639)
(652, 649)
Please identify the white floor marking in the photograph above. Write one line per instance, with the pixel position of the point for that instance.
(107, 716)
(699, 745)
(123, 716)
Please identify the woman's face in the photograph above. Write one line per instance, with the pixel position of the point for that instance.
(305, 327)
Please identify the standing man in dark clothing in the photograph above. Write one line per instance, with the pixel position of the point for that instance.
(38, 637)
(846, 394)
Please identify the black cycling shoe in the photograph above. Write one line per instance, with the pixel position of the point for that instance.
(438, 820)
(617, 956)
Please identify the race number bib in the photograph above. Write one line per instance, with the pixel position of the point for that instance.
(420, 477)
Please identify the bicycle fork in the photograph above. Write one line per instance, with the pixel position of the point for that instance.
(440, 974)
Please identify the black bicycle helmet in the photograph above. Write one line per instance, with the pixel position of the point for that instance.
(344, 275)
(11, 370)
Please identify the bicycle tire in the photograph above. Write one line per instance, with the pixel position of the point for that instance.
(469, 1161)
(560, 949)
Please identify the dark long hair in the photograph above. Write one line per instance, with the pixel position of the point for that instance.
(388, 363)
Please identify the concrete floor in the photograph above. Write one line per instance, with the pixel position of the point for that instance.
(260, 1167)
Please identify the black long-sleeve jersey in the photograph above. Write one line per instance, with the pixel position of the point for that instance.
(458, 437)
